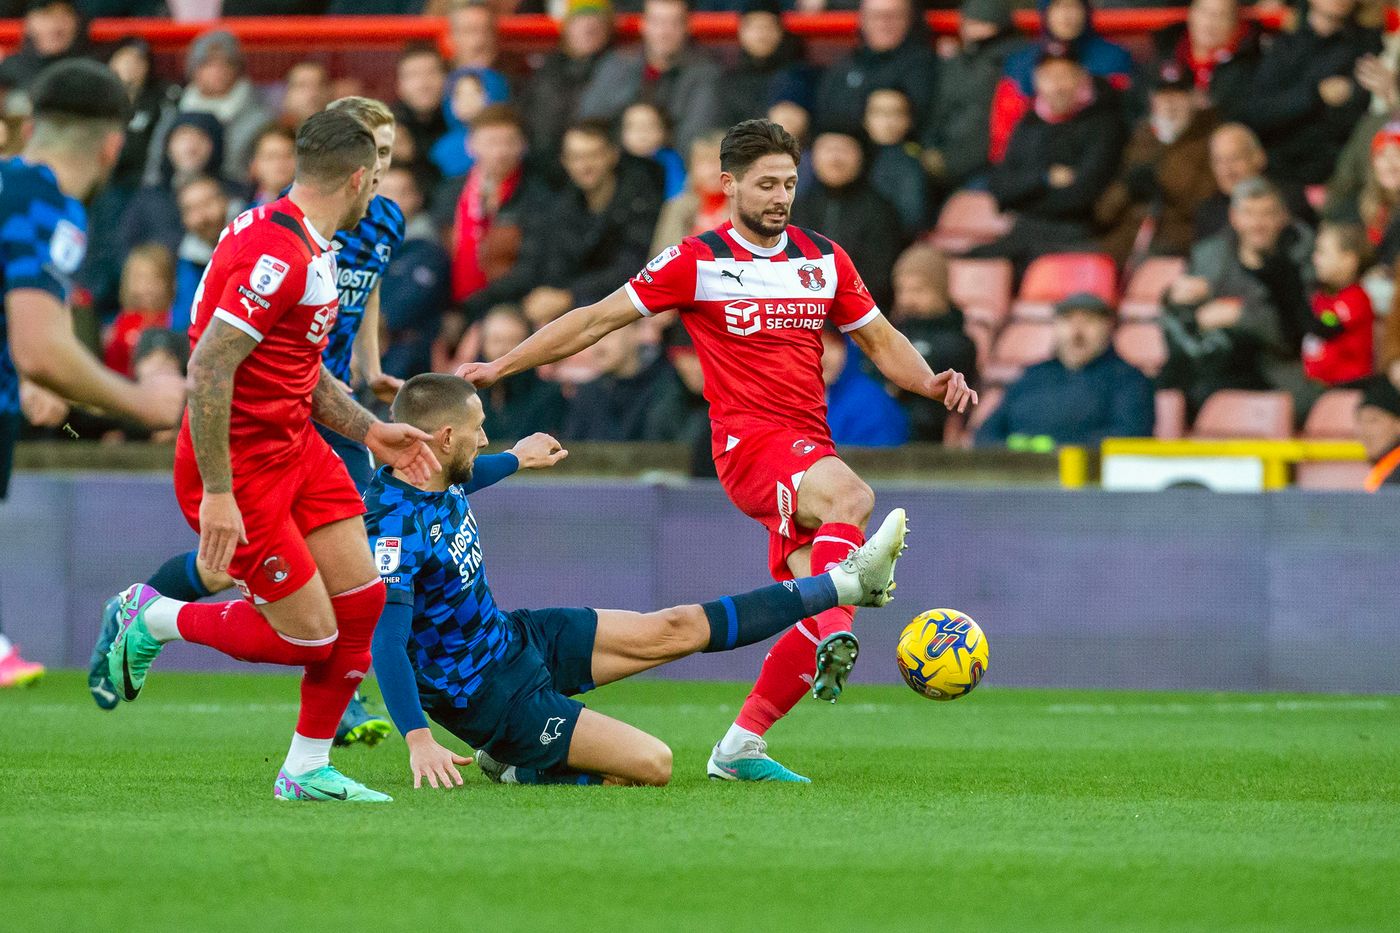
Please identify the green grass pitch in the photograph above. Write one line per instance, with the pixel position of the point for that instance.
(1008, 810)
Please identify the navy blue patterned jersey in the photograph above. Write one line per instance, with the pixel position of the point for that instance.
(362, 255)
(43, 237)
(428, 552)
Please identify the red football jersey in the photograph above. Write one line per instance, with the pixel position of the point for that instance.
(272, 276)
(756, 317)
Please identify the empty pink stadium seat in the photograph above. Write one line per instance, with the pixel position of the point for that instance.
(1051, 278)
(1334, 475)
(982, 288)
(1237, 413)
(1142, 345)
(1151, 278)
(1333, 416)
(970, 218)
(1020, 344)
(1169, 423)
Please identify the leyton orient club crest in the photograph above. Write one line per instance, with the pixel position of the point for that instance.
(811, 277)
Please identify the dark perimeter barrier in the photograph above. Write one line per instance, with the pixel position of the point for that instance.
(1177, 590)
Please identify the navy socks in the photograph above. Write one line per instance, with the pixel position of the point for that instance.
(178, 578)
(755, 616)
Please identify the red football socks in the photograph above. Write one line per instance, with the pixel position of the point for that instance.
(328, 686)
(788, 669)
(239, 630)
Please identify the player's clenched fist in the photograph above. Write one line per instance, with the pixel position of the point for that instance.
(538, 452)
(220, 530)
(481, 375)
(950, 387)
(430, 760)
(405, 448)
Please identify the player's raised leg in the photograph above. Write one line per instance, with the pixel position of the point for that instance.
(817, 654)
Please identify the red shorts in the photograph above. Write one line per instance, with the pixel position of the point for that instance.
(281, 505)
(761, 469)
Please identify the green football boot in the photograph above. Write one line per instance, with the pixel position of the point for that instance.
(324, 784)
(134, 647)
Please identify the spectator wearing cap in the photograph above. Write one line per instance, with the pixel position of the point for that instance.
(1304, 100)
(770, 64)
(1067, 27)
(896, 170)
(53, 30)
(1218, 49)
(925, 313)
(666, 71)
(1060, 160)
(219, 86)
(1237, 319)
(842, 204)
(893, 51)
(551, 96)
(1378, 430)
(1236, 156)
(417, 285)
(858, 409)
(1165, 175)
(956, 136)
(1083, 394)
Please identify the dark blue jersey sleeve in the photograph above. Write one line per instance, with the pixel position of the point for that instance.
(490, 469)
(43, 239)
(397, 682)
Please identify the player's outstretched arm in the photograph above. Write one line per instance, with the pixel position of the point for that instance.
(213, 363)
(46, 352)
(578, 330)
(401, 446)
(895, 356)
(536, 452)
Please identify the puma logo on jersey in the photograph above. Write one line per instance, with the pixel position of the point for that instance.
(736, 276)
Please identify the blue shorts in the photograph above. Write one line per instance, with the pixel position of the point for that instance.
(524, 714)
(353, 454)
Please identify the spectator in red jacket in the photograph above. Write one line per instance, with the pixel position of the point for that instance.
(1339, 347)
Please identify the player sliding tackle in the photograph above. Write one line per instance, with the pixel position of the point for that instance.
(273, 504)
(754, 295)
(504, 682)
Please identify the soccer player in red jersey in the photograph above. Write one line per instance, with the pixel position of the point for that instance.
(273, 505)
(754, 295)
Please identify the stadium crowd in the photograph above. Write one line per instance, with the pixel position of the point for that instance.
(1228, 196)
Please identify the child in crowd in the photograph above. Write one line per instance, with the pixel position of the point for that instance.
(646, 134)
(469, 91)
(147, 290)
(1338, 346)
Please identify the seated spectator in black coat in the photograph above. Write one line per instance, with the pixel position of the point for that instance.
(1305, 100)
(841, 204)
(420, 79)
(1219, 49)
(1082, 395)
(194, 148)
(894, 51)
(53, 31)
(956, 135)
(592, 237)
(522, 404)
(633, 400)
(896, 170)
(549, 101)
(416, 287)
(770, 64)
(924, 312)
(1061, 158)
(1236, 155)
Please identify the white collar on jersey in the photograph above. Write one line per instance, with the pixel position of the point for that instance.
(315, 234)
(760, 250)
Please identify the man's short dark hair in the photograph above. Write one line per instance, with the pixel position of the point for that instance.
(747, 142)
(420, 49)
(599, 129)
(430, 400)
(79, 89)
(331, 146)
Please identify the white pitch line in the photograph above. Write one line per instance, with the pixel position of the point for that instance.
(1219, 706)
(193, 709)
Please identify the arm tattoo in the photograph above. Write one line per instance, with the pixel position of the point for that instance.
(215, 360)
(338, 411)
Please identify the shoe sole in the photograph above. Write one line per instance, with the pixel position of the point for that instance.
(835, 659)
(370, 732)
(99, 668)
